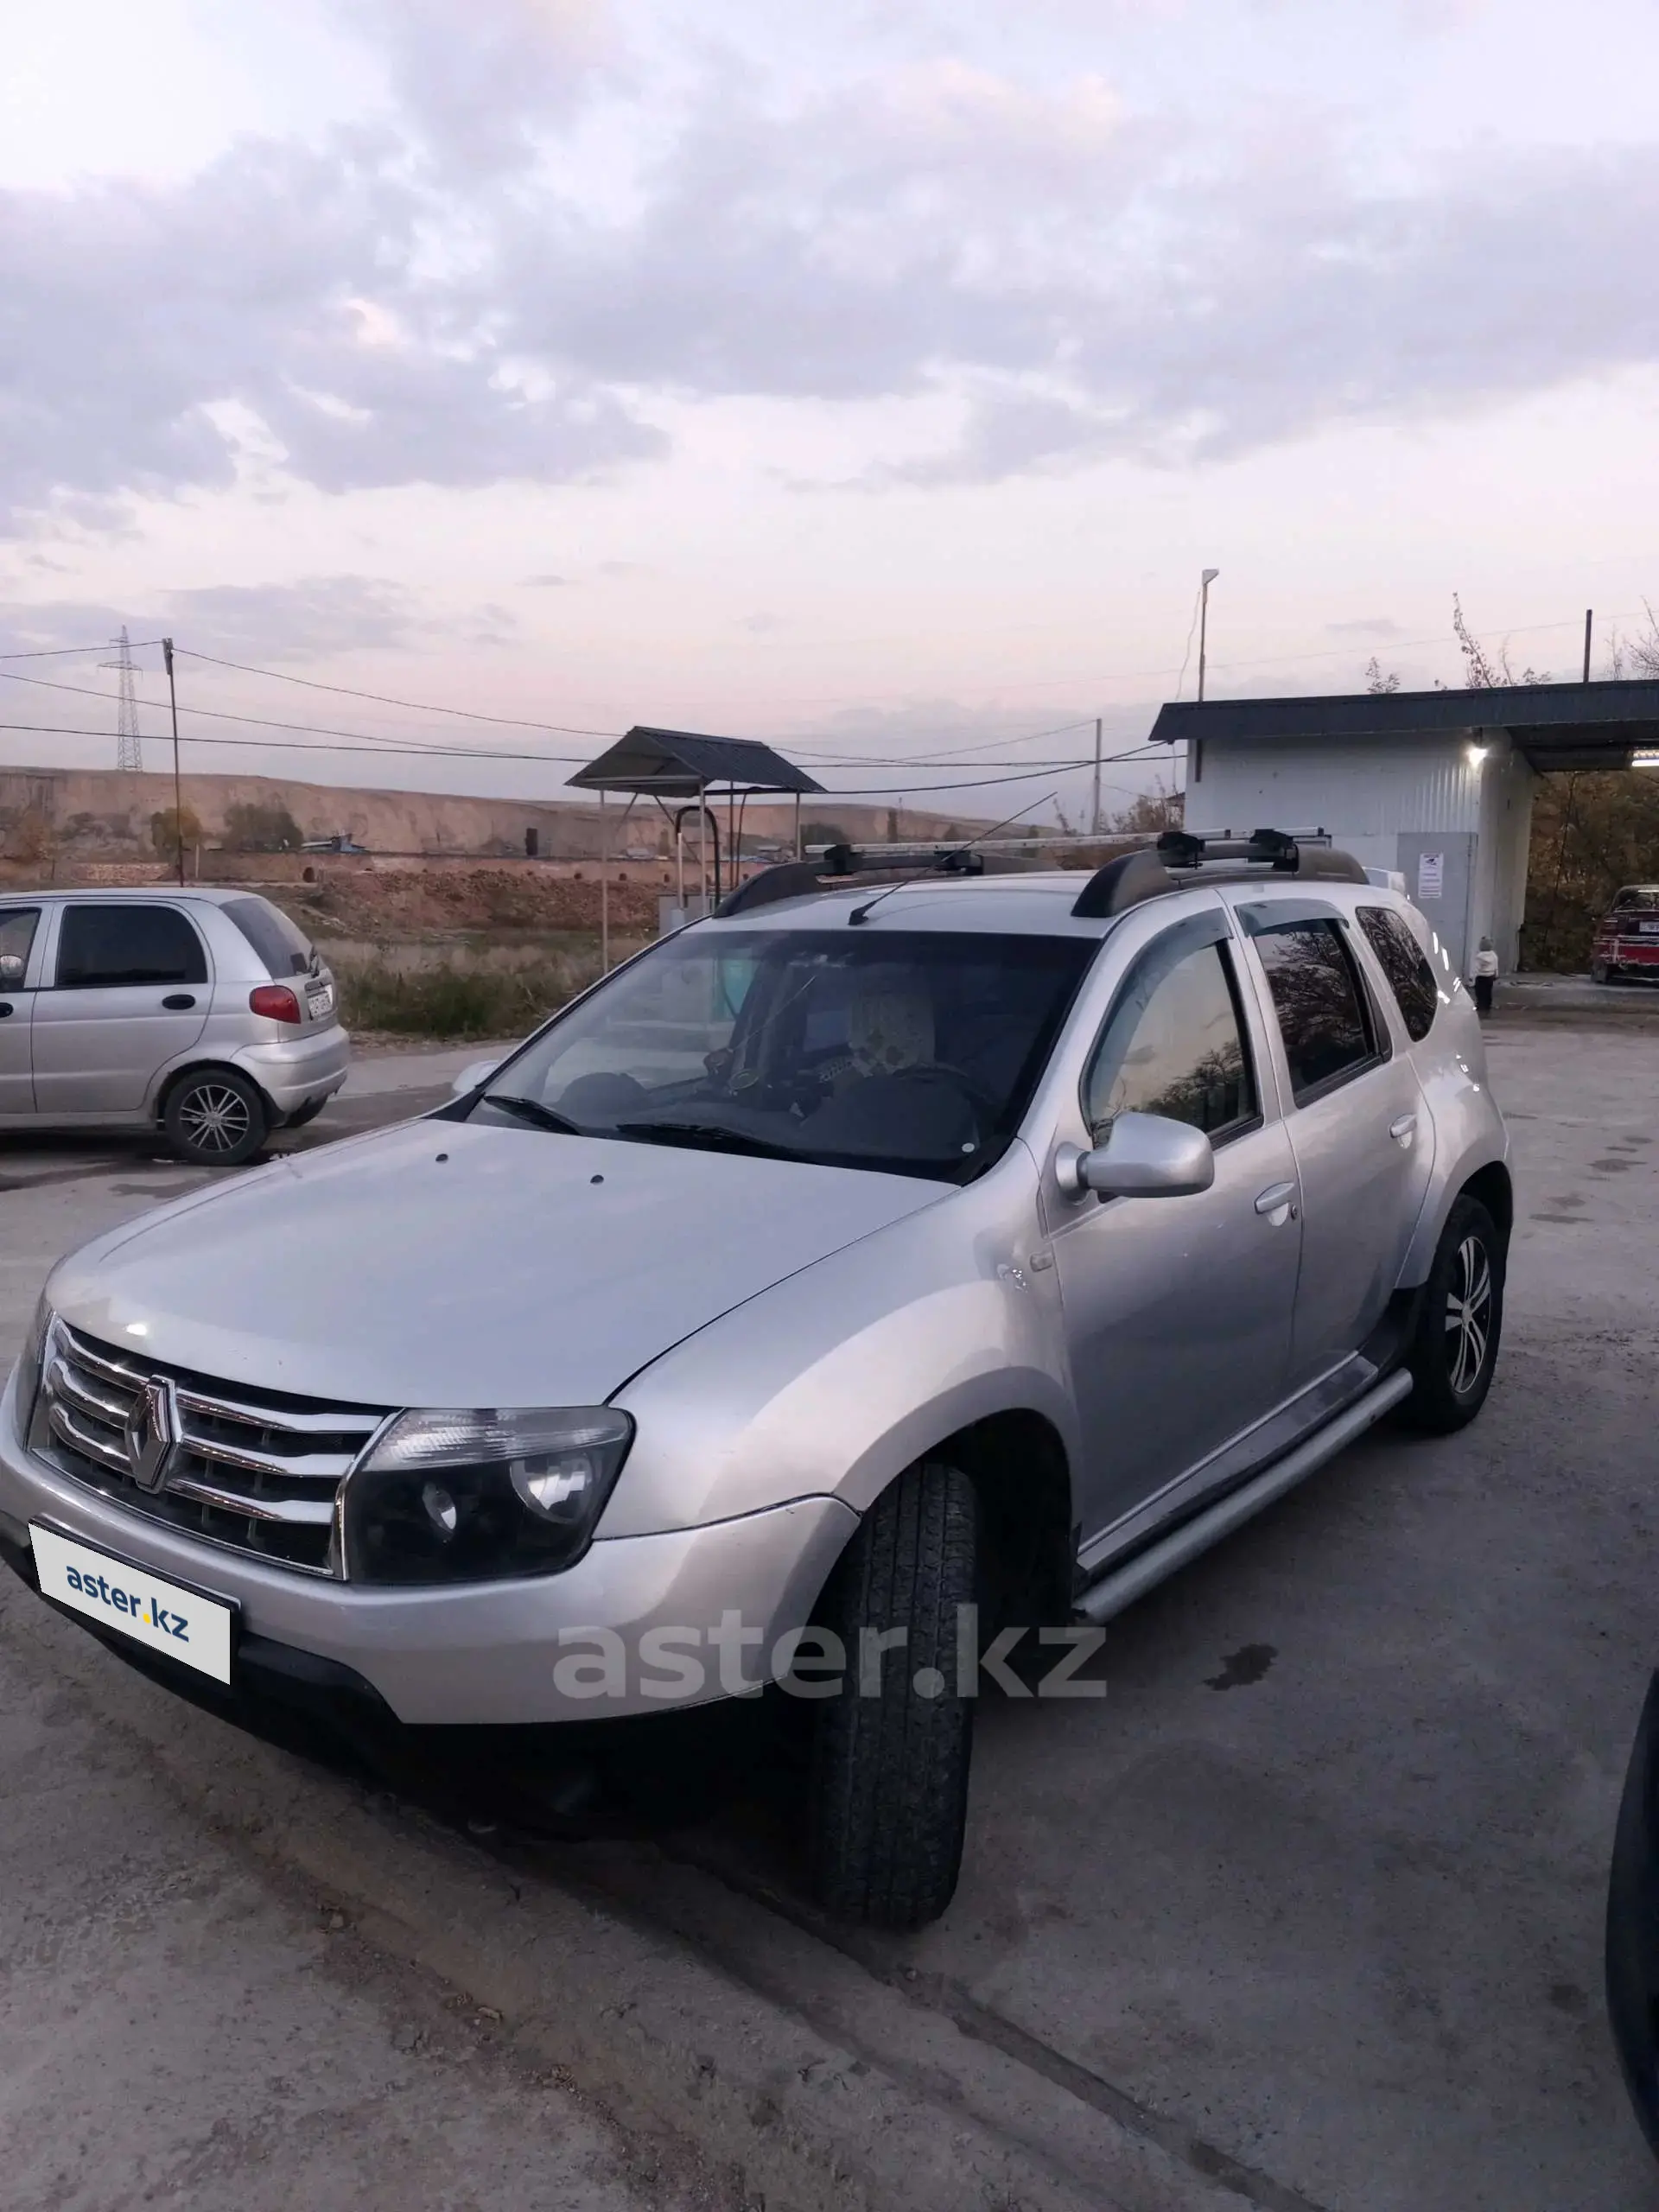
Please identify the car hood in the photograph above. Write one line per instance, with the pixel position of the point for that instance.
(443, 1264)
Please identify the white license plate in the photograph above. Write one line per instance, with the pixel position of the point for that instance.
(183, 1624)
(1649, 928)
(321, 1002)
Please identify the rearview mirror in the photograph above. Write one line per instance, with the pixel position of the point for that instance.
(1145, 1156)
(471, 1077)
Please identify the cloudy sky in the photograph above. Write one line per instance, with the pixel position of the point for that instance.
(877, 378)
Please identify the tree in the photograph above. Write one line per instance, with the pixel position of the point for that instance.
(34, 840)
(1480, 671)
(823, 833)
(1376, 684)
(255, 829)
(165, 827)
(1153, 811)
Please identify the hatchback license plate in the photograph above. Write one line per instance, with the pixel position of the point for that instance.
(185, 1624)
(320, 1003)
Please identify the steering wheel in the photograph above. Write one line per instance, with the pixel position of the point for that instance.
(932, 1070)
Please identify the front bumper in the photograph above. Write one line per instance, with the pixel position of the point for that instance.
(639, 1624)
(296, 1071)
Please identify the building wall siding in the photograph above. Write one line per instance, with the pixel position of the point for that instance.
(1353, 789)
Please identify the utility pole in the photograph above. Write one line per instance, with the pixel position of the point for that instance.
(1589, 624)
(129, 748)
(178, 781)
(1204, 582)
(1094, 819)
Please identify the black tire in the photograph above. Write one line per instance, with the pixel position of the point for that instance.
(1459, 1322)
(215, 1118)
(889, 1787)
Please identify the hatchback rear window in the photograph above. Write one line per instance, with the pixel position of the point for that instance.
(285, 949)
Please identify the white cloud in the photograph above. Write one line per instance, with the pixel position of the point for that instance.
(431, 301)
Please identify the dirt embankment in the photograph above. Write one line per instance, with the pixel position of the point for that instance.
(417, 902)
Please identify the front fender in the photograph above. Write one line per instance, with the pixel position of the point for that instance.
(836, 1381)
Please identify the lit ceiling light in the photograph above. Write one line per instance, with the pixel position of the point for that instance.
(1477, 753)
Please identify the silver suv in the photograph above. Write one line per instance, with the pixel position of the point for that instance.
(858, 1290)
(204, 1014)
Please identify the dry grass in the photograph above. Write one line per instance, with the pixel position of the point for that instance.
(451, 999)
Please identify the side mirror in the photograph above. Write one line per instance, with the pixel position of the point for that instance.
(11, 968)
(471, 1077)
(1145, 1156)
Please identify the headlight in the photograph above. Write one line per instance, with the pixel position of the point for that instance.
(29, 1366)
(477, 1496)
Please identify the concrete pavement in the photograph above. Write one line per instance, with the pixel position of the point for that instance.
(1305, 1914)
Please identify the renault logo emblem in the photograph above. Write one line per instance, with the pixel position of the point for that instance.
(152, 1435)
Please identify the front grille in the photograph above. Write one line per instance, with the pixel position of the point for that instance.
(258, 1471)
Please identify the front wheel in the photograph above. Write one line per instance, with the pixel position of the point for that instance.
(215, 1118)
(889, 1790)
(1454, 1345)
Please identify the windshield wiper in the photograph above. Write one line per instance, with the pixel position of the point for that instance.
(711, 1133)
(532, 1111)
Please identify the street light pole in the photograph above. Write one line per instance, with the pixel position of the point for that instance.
(1205, 581)
(178, 782)
(1094, 821)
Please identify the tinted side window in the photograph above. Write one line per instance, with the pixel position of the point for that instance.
(285, 950)
(1172, 1045)
(1406, 965)
(1317, 996)
(98, 946)
(17, 925)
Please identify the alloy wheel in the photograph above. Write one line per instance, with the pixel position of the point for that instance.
(215, 1118)
(1469, 1314)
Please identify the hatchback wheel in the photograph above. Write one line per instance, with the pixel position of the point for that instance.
(215, 1118)
(1454, 1347)
(889, 1793)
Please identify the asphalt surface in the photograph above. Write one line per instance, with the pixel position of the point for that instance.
(1311, 1901)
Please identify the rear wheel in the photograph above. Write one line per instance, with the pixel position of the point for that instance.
(889, 1791)
(1454, 1346)
(215, 1118)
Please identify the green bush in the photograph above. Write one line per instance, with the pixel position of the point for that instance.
(449, 1000)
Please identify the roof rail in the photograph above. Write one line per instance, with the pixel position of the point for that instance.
(1135, 877)
(841, 865)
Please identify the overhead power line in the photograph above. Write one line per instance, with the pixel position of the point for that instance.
(381, 699)
(912, 790)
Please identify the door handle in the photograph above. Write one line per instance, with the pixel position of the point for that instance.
(1404, 1129)
(1278, 1199)
(6, 1007)
(178, 1003)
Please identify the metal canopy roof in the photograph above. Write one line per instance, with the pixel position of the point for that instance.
(679, 764)
(1553, 725)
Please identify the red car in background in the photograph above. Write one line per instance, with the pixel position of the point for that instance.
(1627, 936)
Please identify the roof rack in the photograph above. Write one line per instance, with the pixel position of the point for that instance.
(1135, 877)
(841, 866)
(1177, 856)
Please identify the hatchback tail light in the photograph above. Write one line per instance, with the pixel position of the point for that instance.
(275, 1001)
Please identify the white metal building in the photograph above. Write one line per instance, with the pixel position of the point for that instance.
(1437, 785)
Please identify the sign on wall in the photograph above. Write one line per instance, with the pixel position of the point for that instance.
(1431, 876)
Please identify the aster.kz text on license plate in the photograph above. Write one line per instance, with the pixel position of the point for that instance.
(185, 1624)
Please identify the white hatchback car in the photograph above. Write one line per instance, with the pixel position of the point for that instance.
(204, 1014)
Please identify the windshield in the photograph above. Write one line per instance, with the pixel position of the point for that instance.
(915, 1053)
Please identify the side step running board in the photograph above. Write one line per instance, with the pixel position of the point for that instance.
(1119, 1588)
